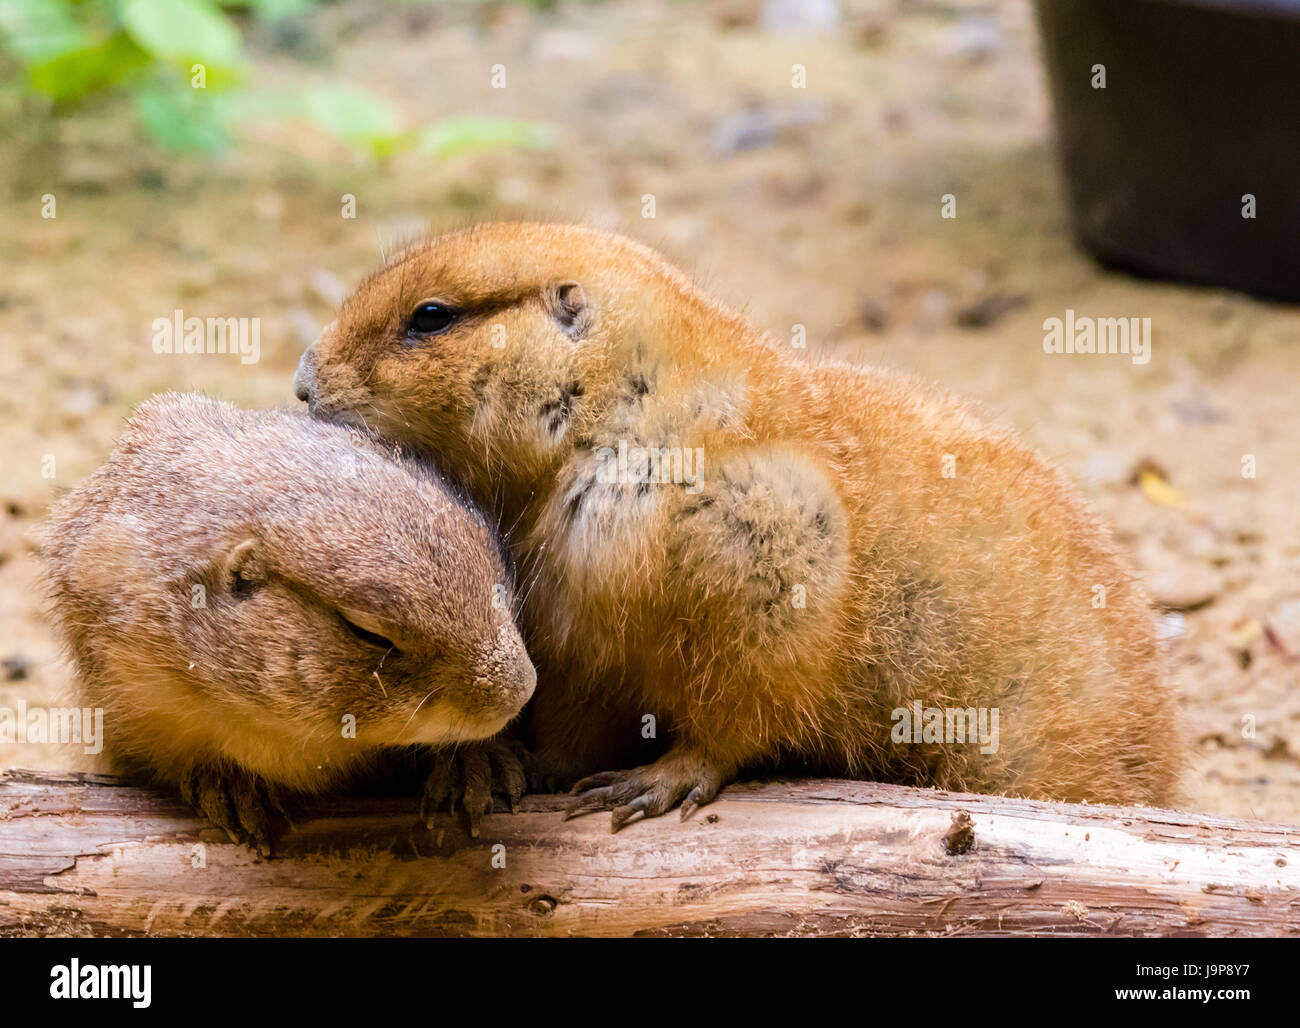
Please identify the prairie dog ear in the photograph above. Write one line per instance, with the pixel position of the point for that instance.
(242, 569)
(568, 306)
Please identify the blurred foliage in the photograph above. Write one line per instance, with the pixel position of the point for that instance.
(183, 64)
(458, 134)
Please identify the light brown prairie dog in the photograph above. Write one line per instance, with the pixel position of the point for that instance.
(260, 602)
(829, 545)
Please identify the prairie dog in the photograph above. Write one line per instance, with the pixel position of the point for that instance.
(818, 546)
(262, 603)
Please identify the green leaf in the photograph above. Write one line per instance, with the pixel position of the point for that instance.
(72, 76)
(360, 119)
(40, 30)
(255, 104)
(457, 135)
(183, 30)
(274, 10)
(181, 118)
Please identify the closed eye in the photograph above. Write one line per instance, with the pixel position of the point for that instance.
(367, 636)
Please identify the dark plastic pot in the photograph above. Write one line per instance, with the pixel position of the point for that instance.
(1201, 106)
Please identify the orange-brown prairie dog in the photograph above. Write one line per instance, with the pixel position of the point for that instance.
(263, 604)
(812, 554)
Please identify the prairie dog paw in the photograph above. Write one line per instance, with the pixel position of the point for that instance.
(471, 774)
(676, 778)
(237, 802)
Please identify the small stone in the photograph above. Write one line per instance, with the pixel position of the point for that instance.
(989, 309)
(79, 402)
(1196, 408)
(1284, 626)
(875, 316)
(743, 130)
(1104, 468)
(269, 206)
(975, 40)
(785, 16)
(1170, 626)
(932, 310)
(1183, 587)
(566, 45)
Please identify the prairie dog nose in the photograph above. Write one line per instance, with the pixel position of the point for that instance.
(304, 379)
(505, 671)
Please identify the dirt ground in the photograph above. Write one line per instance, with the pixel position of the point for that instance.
(817, 206)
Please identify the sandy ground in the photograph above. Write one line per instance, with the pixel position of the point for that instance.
(817, 206)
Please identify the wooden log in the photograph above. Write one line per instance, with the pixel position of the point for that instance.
(90, 855)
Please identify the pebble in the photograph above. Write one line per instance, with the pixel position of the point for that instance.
(1105, 468)
(1183, 587)
(989, 309)
(974, 40)
(1170, 626)
(783, 16)
(743, 130)
(1285, 624)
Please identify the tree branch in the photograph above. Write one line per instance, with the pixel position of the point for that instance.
(90, 855)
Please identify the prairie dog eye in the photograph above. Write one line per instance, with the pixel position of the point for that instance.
(367, 636)
(429, 319)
